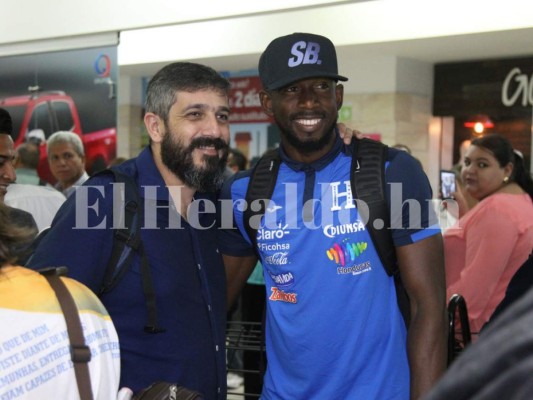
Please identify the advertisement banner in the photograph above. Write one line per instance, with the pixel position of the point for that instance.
(244, 101)
(499, 88)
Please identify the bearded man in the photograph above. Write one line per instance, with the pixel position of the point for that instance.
(187, 119)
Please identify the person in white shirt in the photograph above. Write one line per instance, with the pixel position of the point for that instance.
(42, 202)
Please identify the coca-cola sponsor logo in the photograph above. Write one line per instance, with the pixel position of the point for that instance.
(279, 258)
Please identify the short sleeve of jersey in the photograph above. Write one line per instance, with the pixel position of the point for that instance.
(413, 217)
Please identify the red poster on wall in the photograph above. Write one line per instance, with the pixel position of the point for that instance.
(244, 101)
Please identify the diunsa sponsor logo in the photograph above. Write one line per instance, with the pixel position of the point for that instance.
(335, 230)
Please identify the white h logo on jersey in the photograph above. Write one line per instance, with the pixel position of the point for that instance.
(310, 56)
(336, 195)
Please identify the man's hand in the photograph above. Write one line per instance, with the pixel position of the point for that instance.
(346, 134)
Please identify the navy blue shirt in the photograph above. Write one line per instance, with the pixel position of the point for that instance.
(187, 272)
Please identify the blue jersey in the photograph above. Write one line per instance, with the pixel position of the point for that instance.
(334, 329)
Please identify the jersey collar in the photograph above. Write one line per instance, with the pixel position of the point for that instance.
(319, 164)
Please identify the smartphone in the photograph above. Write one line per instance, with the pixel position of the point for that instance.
(447, 183)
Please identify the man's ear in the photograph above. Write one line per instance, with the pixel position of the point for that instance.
(266, 102)
(154, 127)
(339, 95)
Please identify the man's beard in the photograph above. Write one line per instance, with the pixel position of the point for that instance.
(307, 146)
(179, 160)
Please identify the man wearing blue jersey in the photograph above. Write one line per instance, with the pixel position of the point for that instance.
(333, 326)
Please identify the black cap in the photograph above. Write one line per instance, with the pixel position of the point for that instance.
(298, 56)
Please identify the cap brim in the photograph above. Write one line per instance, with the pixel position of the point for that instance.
(288, 80)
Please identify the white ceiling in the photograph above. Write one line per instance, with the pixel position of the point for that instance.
(231, 34)
(489, 45)
(428, 31)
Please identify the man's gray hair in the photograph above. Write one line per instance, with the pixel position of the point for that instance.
(66, 137)
(181, 77)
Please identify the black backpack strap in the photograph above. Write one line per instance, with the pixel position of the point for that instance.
(367, 180)
(260, 188)
(148, 289)
(127, 236)
(127, 242)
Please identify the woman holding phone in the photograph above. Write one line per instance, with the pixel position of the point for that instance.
(491, 241)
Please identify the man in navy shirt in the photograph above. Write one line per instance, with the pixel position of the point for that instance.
(333, 326)
(186, 117)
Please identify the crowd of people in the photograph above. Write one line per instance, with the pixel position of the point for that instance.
(157, 310)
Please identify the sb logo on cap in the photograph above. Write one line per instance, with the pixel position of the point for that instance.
(304, 53)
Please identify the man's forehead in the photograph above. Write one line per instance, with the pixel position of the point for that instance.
(6, 145)
(61, 147)
(7, 151)
(207, 96)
